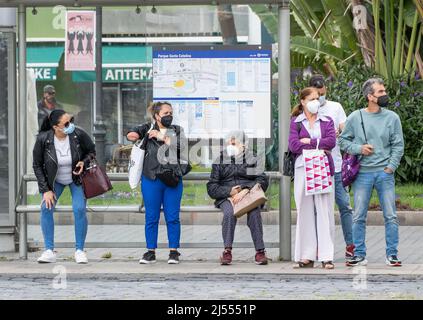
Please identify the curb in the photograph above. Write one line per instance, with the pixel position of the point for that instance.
(202, 270)
(147, 277)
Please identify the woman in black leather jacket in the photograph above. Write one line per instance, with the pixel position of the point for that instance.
(233, 174)
(165, 143)
(60, 154)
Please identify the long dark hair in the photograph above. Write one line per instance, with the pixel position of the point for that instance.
(52, 120)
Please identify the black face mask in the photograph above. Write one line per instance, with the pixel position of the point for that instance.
(383, 101)
(166, 121)
(51, 99)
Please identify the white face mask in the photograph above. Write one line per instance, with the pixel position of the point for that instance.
(322, 100)
(232, 150)
(313, 106)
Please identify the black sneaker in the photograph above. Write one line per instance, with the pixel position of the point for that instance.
(393, 261)
(148, 257)
(173, 257)
(356, 261)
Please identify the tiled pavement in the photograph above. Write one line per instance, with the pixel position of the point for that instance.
(410, 247)
(199, 276)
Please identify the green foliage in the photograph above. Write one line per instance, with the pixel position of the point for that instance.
(317, 48)
(322, 34)
(272, 151)
(406, 100)
(195, 194)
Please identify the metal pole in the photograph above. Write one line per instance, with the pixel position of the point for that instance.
(284, 71)
(23, 236)
(12, 125)
(22, 126)
(119, 114)
(99, 127)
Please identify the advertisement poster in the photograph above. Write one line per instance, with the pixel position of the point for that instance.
(80, 41)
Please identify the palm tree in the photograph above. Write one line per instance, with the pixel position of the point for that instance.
(365, 33)
(384, 35)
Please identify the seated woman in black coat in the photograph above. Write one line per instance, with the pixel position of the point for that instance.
(233, 174)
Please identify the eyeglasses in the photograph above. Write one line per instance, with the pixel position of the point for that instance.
(51, 93)
(67, 123)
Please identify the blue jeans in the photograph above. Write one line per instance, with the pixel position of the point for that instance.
(342, 199)
(384, 183)
(155, 193)
(79, 212)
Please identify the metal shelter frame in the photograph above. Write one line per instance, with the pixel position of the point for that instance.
(283, 94)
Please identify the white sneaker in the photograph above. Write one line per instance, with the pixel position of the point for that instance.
(81, 257)
(48, 256)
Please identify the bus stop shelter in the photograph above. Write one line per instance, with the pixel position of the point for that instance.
(16, 222)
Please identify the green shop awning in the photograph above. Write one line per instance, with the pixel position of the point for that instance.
(44, 60)
(122, 63)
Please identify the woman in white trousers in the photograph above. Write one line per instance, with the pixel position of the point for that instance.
(315, 233)
(314, 240)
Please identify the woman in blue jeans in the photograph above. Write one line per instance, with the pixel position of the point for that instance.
(60, 154)
(165, 142)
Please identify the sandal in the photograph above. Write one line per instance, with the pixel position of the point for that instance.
(328, 265)
(301, 264)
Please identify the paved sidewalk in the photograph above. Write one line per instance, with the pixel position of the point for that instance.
(410, 248)
(195, 288)
(23, 280)
(199, 276)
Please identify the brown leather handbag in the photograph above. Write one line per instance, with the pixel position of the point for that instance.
(253, 199)
(95, 181)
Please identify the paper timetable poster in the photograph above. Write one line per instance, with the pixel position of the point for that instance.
(215, 90)
(80, 41)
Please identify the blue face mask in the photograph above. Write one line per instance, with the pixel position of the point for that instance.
(70, 129)
(322, 100)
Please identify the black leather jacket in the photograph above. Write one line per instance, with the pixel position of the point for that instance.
(45, 158)
(177, 147)
(228, 172)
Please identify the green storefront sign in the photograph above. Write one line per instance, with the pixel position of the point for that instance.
(48, 23)
(44, 74)
(142, 74)
(44, 60)
(134, 74)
